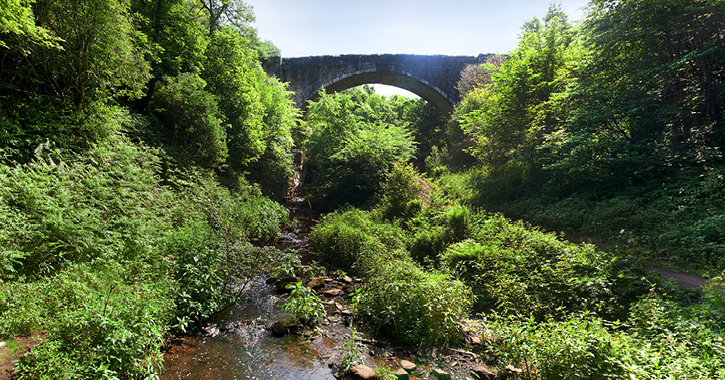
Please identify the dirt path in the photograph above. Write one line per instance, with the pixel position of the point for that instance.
(20, 345)
(686, 280)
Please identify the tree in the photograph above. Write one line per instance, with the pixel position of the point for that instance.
(513, 118)
(18, 22)
(657, 71)
(100, 54)
(190, 120)
(351, 156)
(233, 13)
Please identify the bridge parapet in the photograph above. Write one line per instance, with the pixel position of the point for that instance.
(432, 77)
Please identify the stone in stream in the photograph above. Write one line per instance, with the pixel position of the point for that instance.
(362, 372)
(440, 374)
(316, 283)
(332, 292)
(401, 374)
(482, 372)
(286, 285)
(406, 365)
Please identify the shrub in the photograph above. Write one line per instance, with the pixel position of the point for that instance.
(401, 192)
(344, 239)
(413, 306)
(514, 269)
(304, 304)
(450, 226)
(190, 118)
(101, 323)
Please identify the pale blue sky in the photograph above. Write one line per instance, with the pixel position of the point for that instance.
(451, 27)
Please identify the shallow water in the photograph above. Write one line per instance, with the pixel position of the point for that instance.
(237, 346)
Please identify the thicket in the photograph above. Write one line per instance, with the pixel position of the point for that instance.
(107, 259)
(119, 120)
(610, 130)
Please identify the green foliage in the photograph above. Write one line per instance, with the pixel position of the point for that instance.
(414, 306)
(441, 229)
(106, 204)
(514, 115)
(214, 257)
(100, 56)
(349, 239)
(352, 147)
(401, 192)
(514, 269)
(103, 320)
(190, 121)
(304, 304)
(665, 342)
(352, 352)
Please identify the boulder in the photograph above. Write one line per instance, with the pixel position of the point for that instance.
(316, 283)
(482, 372)
(440, 374)
(332, 292)
(362, 372)
(286, 285)
(406, 365)
(401, 374)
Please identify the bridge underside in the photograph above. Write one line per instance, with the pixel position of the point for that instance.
(432, 77)
(405, 82)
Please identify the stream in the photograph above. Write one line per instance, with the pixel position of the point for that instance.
(237, 344)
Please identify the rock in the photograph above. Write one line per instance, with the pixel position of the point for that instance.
(362, 372)
(482, 372)
(286, 285)
(440, 374)
(332, 292)
(406, 365)
(346, 313)
(281, 328)
(347, 280)
(211, 330)
(401, 374)
(316, 283)
(511, 370)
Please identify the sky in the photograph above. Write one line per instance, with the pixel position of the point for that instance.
(449, 27)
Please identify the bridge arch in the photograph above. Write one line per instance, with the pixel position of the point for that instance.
(432, 77)
(420, 87)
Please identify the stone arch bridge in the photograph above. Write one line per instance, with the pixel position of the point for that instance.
(432, 77)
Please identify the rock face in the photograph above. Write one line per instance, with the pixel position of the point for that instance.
(482, 372)
(362, 372)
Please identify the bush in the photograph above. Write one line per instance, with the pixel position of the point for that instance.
(450, 226)
(413, 306)
(514, 269)
(347, 239)
(304, 304)
(102, 323)
(401, 192)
